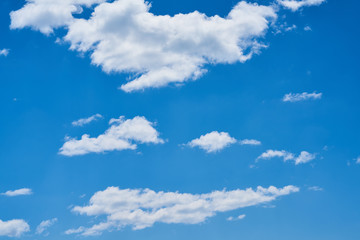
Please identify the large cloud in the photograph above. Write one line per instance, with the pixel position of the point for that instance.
(123, 36)
(142, 208)
(13, 228)
(122, 134)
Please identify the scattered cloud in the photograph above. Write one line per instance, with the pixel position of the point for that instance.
(4, 52)
(307, 28)
(297, 97)
(143, 208)
(295, 5)
(44, 225)
(288, 29)
(304, 156)
(250, 142)
(84, 121)
(13, 228)
(240, 217)
(18, 192)
(315, 188)
(358, 160)
(122, 134)
(213, 142)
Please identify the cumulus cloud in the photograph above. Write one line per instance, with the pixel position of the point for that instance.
(140, 209)
(124, 36)
(240, 217)
(44, 225)
(295, 5)
(84, 121)
(13, 228)
(122, 134)
(213, 142)
(4, 52)
(297, 97)
(250, 142)
(18, 192)
(303, 157)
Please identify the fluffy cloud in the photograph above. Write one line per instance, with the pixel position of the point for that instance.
(250, 142)
(18, 192)
(45, 225)
(123, 36)
(13, 228)
(240, 217)
(212, 142)
(295, 5)
(140, 209)
(122, 134)
(304, 156)
(297, 97)
(84, 121)
(4, 52)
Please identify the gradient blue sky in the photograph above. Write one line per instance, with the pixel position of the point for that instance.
(45, 87)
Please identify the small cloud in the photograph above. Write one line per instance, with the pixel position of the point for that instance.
(315, 188)
(250, 142)
(288, 29)
(18, 192)
(358, 160)
(4, 52)
(297, 97)
(212, 142)
(303, 157)
(83, 121)
(295, 5)
(307, 28)
(240, 217)
(44, 225)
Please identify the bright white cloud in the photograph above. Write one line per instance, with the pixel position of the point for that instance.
(250, 142)
(123, 36)
(84, 121)
(295, 5)
(297, 97)
(122, 134)
(44, 225)
(213, 142)
(140, 209)
(18, 192)
(4, 52)
(240, 217)
(13, 228)
(303, 157)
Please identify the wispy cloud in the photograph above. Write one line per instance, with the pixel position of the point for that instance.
(358, 160)
(307, 28)
(315, 188)
(142, 208)
(44, 225)
(212, 142)
(13, 228)
(297, 97)
(18, 192)
(240, 217)
(84, 121)
(295, 5)
(122, 134)
(4, 52)
(250, 142)
(303, 157)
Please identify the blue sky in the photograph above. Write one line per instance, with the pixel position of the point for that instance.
(178, 128)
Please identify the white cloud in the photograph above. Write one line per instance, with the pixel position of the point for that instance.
(140, 209)
(44, 225)
(84, 121)
(13, 228)
(304, 156)
(316, 188)
(213, 142)
(288, 29)
(4, 52)
(295, 5)
(358, 160)
(250, 142)
(122, 134)
(240, 217)
(307, 28)
(297, 97)
(18, 192)
(123, 36)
